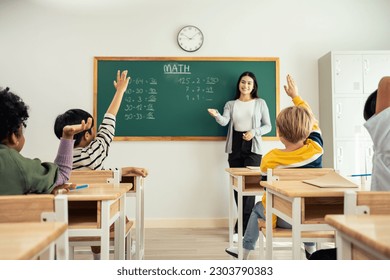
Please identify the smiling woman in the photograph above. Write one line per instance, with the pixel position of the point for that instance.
(249, 119)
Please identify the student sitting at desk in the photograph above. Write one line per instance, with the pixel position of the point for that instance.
(377, 116)
(376, 112)
(20, 175)
(299, 132)
(90, 148)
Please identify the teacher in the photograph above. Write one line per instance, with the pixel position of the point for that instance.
(248, 118)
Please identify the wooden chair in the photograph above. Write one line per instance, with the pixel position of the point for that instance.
(285, 235)
(362, 203)
(38, 208)
(367, 202)
(90, 177)
(137, 192)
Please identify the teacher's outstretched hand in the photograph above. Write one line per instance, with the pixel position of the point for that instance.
(213, 112)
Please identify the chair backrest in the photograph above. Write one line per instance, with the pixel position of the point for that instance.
(94, 176)
(296, 174)
(33, 208)
(367, 202)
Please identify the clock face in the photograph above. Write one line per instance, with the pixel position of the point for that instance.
(190, 38)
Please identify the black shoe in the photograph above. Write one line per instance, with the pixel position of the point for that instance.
(232, 251)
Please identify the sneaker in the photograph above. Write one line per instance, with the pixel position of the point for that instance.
(235, 238)
(232, 251)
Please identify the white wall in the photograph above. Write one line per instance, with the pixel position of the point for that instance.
(46, 56)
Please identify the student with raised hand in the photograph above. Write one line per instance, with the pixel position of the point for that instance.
(248, 119)
(91, 148)
(377, 116)
(21, 175)
(376, 112)
(299, 132)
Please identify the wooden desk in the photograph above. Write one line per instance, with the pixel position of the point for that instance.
(26, 241)
(245, 182)
(361, 237)
(138, 192)
(303, 206)
(92, 211)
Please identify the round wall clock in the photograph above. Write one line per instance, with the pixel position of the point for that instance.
(190, 38)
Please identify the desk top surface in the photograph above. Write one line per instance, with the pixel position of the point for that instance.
(301, 189)
(23, 241)
(372, 230)
(243, 171)
(100, 191)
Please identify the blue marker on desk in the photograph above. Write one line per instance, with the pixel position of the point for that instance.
(80, 187)
(360, 175)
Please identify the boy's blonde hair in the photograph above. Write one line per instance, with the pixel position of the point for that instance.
(294, 123)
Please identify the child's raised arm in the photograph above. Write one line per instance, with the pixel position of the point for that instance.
(292, 91)
(120, 84)
(291, 88)
(383, 97)
(65, 150)
(70, 130)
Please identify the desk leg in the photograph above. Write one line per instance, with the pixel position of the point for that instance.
(116, 239)
(231, 211)
(105, 231)
(343, 247)
(120, 235)
(120, 230)
(240, 218)
(268, 222)
(296, 228)
(139, 220)
(62, 246)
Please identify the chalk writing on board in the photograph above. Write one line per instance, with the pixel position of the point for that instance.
(176, 69)
(140, 99)
(167, 98)
(198, 88)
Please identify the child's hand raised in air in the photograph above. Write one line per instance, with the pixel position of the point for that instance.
(121, 81)
(291, 88)
(70, 130)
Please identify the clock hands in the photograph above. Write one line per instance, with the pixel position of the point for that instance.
(190, 38)
(195, 35)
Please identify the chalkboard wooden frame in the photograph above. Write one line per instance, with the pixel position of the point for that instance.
(253, 61)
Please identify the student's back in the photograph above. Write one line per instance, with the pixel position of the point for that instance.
(378, 125)
(300, 133)
(21, 175)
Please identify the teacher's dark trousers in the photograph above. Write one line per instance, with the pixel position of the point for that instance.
(242, 156)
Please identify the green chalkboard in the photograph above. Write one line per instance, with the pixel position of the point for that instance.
(167, 97)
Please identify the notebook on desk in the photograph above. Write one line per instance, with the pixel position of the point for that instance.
(331, 180)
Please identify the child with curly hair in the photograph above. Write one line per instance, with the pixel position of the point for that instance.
(21, 175)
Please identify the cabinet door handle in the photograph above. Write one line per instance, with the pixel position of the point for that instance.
(338, 110)
(337, 67)
(369, 152)
(366, 65)
(339, 153)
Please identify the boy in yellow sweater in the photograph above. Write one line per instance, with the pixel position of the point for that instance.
(300, 134)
